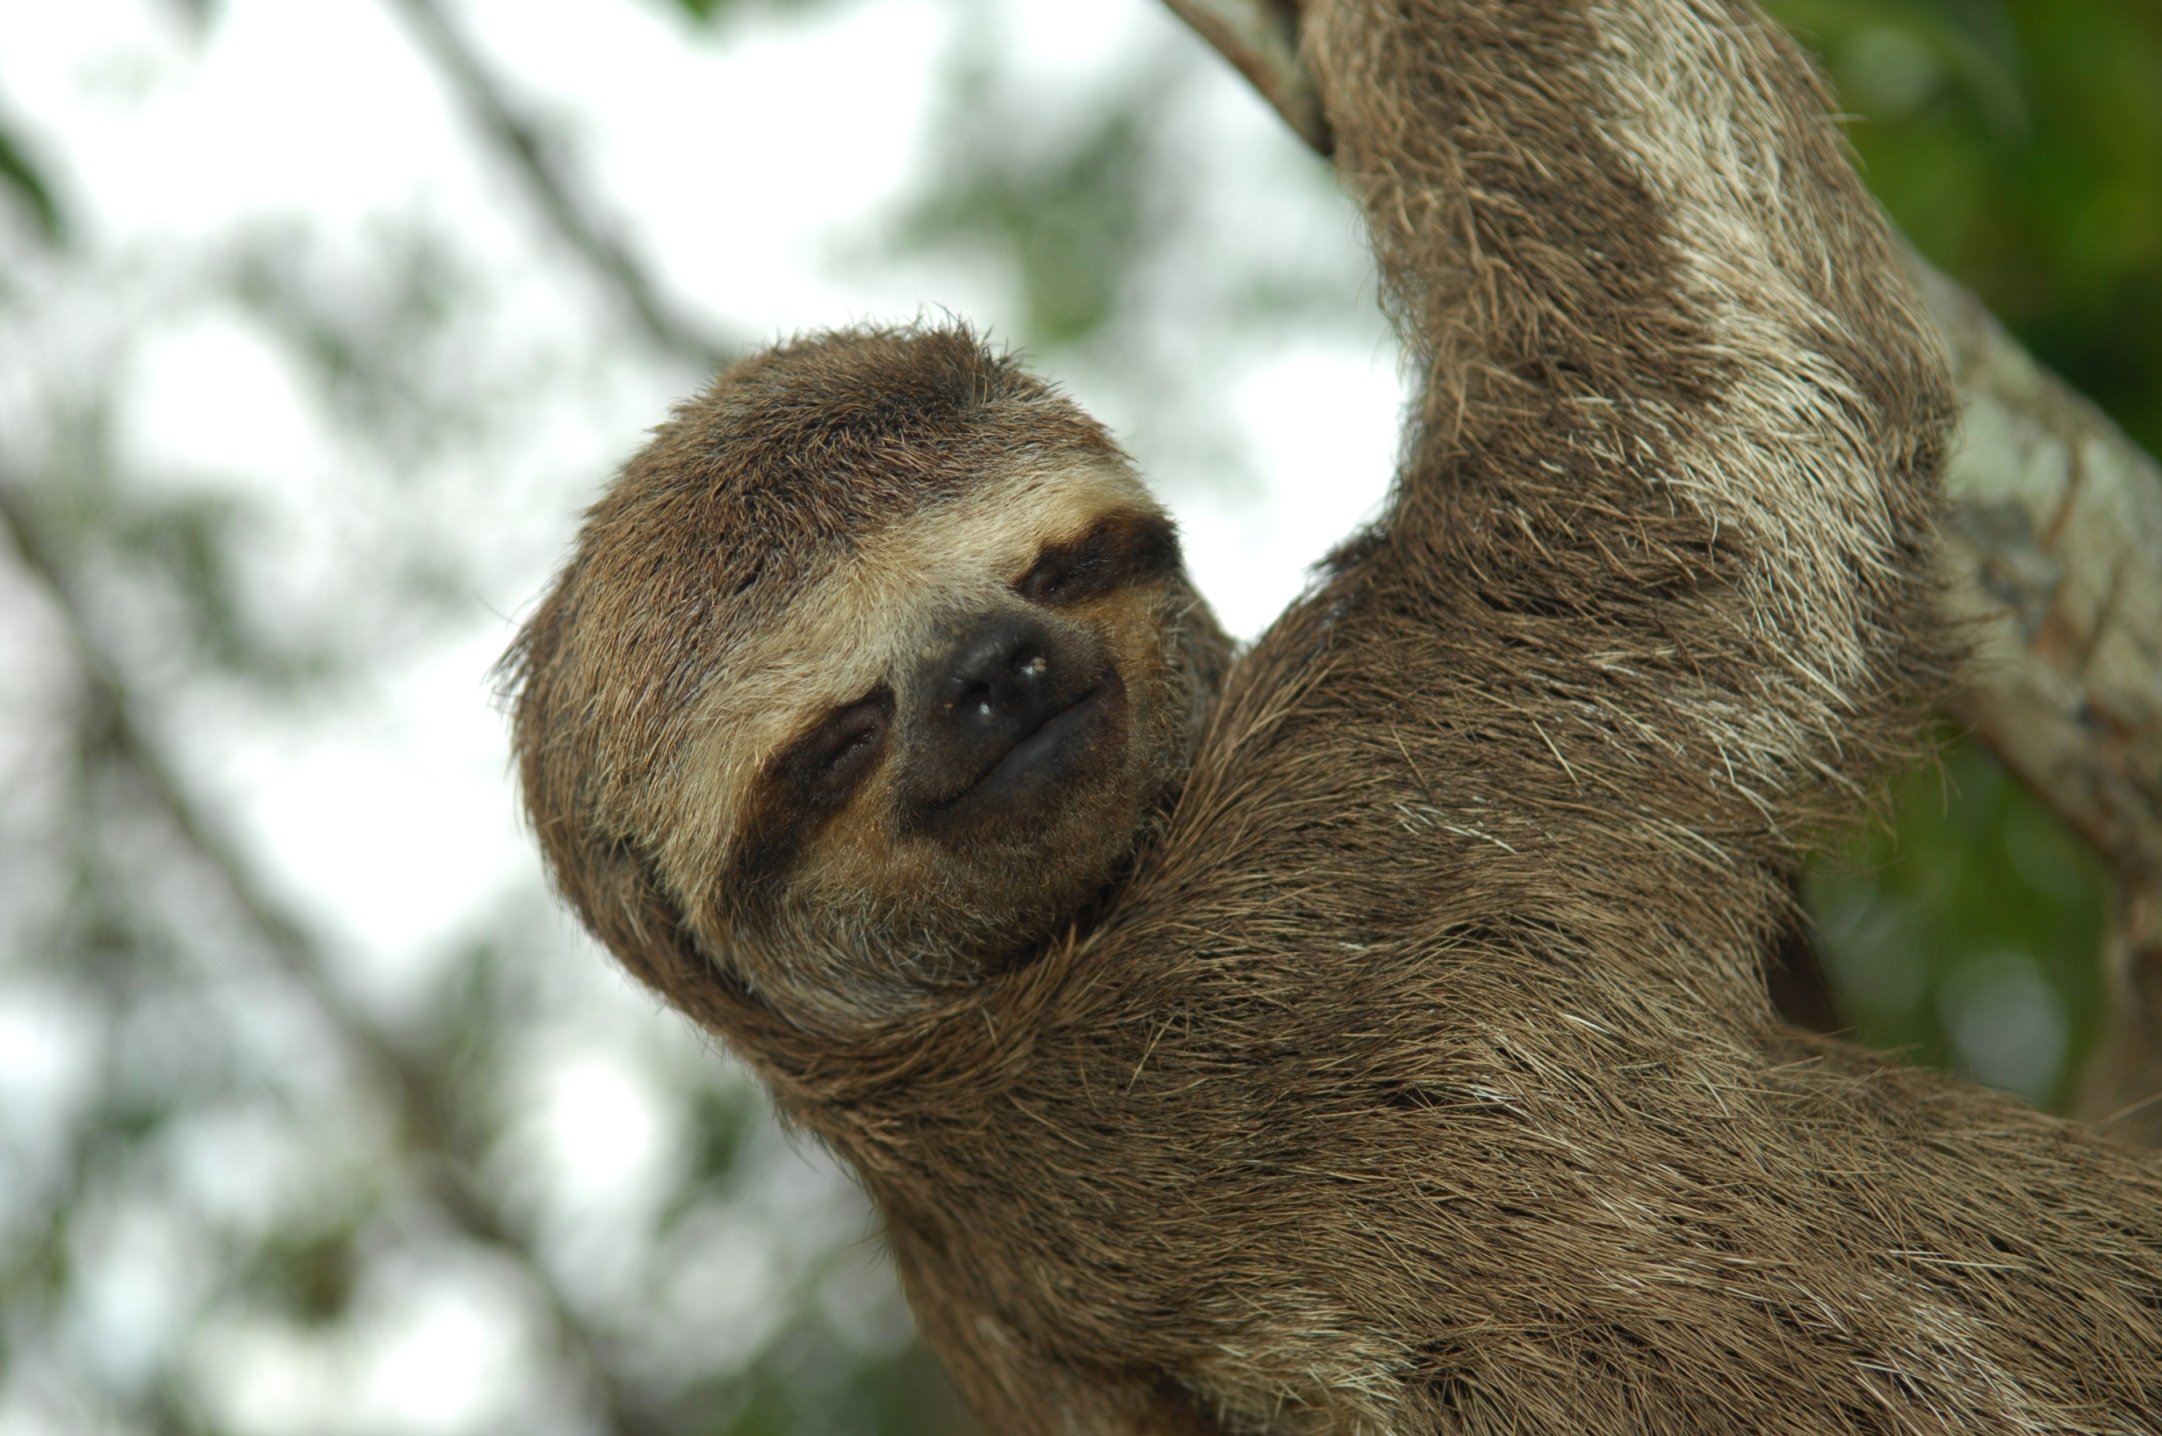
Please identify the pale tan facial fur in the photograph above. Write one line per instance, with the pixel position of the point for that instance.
(865, 617)
(867, 917)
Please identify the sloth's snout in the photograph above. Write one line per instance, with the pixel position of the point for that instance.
(998, 679)
(1007, 708)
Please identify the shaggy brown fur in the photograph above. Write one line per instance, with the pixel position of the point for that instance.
(1415, 1072)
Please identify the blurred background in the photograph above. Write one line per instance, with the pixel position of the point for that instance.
(320, 320)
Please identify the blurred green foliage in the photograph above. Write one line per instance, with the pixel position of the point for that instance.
(2019, 144)
(1075, 227)
(797, 1388)
(22, 179)
(714, 12)
(1967, 932)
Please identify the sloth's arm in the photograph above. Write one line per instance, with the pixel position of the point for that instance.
(1663, 525)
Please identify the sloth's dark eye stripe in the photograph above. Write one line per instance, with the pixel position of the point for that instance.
(1121, 549)
(811, 779)
(824, 766)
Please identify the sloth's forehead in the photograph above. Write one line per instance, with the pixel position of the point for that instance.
(878, 599)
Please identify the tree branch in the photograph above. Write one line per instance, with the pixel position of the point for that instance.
(2055, 542)
(2055, 530)
(1261, 40)
(523, 141)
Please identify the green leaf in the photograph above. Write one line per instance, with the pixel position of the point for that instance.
(1072, 217)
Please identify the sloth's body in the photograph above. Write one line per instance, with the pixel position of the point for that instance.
(1367, 1034)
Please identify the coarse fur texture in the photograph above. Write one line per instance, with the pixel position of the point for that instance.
(1399, 1061)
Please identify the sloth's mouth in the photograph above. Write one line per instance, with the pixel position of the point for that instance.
(1042, 757)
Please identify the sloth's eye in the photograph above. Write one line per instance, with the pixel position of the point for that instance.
(1062, 575)
(1122, 549)
(825, 765)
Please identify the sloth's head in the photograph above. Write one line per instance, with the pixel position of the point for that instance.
(870, 672)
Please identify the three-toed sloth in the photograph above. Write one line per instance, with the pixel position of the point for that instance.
(1364, 1032)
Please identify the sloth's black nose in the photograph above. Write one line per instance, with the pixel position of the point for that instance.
(996, 683)
(1006, 711)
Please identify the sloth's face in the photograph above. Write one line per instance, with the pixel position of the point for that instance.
(952, 739)
(869, 672)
